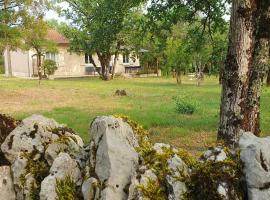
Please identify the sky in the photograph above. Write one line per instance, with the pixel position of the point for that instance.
(53, 15)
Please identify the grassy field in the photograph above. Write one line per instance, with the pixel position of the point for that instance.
(77, 102)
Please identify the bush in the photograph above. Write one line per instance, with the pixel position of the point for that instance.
(185, 105)
(49, 67)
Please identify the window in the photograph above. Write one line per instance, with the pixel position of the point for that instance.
(87, 59)
(126, 58)
(51, 56)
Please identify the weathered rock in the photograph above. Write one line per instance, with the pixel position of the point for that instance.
(35, 133)
(177, 169)
(159, 147)
(19, 172)
(215, 154)
(7, 125)
(256, 158)
(90, 189)
(143, 181)
(114, 159)
(62, 167)
(7, 191)
(29, 136)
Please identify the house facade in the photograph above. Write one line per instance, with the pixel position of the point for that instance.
(24, 63)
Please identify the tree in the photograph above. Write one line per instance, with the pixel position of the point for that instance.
(98, 25)
(35, 37)
(13, 16)
(244, 69)
(177, 57)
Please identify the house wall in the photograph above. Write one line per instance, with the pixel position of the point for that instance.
(69, 64)
(20, 62)
(120, 66)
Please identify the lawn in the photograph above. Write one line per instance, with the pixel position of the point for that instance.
(76, 102)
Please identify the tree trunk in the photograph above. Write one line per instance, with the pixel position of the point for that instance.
(268, 78)
(178, 77)
(114, 64)
(94, 64)
(39, 66)
(251, 120)
(9, 67)
(104, 59)
(242, 73)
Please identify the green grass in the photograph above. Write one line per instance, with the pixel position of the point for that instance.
(150, 101)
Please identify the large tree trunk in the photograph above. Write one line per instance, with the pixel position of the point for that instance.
(251, 120)
(235, 76)
(268, 78)
(243, 71)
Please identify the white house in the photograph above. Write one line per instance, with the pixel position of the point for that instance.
(23, 63)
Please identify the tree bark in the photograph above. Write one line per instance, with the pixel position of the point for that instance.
(39, 65)
(104, 59)
(240, 99)
(114, 64)
(251, 120)
(94, 64)
(237, 66)
(268, 78)
(9, 67)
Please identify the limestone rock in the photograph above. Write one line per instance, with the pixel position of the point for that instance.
(215, 154)
(90, 189)
(256, 158)
(35, 134)
(159, 147)
(113, 156)
(62, 167)
(7, 191)
(177, 169)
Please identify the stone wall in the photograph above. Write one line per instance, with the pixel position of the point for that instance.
(48, 161)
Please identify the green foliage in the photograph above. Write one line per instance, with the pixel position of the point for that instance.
(153, 191)
(205, 178)
(66, 189)
(49, 67)
(38, 168)
(185, 105)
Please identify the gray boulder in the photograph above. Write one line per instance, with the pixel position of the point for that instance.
(256, 158)
(113, 157)
(62, 167)
(214, 154)
(177, 169)
(7, 191)
(90, 189)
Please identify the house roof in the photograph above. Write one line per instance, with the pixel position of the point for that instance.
(57, 37)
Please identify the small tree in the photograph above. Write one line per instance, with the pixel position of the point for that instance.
(96, 27)
(35, 37)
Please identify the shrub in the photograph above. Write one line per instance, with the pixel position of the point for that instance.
(49, 67)
(66, 189)
(185, 105)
